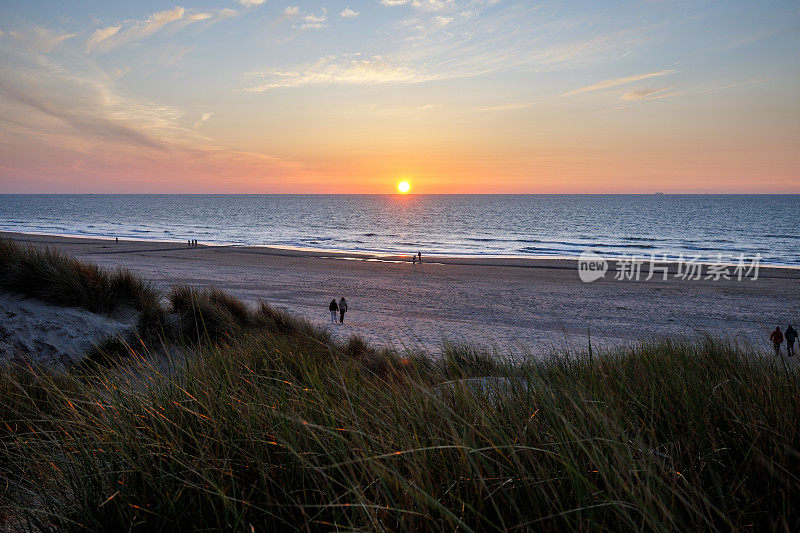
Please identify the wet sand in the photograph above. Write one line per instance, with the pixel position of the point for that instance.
(518, 305)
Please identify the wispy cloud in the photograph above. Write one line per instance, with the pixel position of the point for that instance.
(75, 110)
(646, 94)
(251, 3)
(436, 5)
(514, 106)
(203, 118)
(111, 37)
(347, 70)
(616, 82)
(291, 11)
(101, 35)
(451, 43)
(40, 39)
(348, 13)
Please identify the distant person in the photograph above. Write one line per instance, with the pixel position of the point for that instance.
(333, 308)
(791, 336)
(777, 339)
(419, 257)
(342, 309)
(116, 240)
(189, 243)
(414, 259)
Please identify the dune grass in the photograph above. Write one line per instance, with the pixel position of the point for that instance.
(56, 278)
(273, 432)
(270, 424)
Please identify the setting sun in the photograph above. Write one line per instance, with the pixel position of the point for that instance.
(403, 186)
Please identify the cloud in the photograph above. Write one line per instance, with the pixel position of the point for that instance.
(251, 3)
(136, 31)
(41, 39)
(338, 70)
(110, 37)
(348, 13)
(427, 5)
(119, 72)
(226, 13)
(203, 118)
(646, 94)
(101, 35)
(504, 107)
(616, 82)
(173, 53)
(315, 22)
(62, 105)
(66, 125)
(291, 11)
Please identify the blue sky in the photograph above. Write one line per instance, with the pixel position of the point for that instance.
(455, 95)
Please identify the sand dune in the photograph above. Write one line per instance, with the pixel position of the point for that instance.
(31, 330)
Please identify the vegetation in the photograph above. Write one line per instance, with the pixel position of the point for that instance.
(259, 421)
(59, 279)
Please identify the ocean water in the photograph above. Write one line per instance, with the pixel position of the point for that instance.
(473, 225)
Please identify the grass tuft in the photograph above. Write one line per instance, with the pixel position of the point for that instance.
(59, 279)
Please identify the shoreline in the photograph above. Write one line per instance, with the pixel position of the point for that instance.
(518, 261)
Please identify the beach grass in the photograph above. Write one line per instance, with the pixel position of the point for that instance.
(57, 278)
(256, 420)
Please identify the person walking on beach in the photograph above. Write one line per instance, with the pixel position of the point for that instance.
(777, 339)
(419, 257)
(342, 309)
(333, 307)
(791, 336)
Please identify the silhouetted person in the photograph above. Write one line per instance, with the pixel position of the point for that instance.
(116, 240)
(333, 307)
(414, 259)
(342, 309)
(777, 339)
(791, 336)
(419, 257)
(188, 242)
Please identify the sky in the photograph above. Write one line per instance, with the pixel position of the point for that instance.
(454, 96)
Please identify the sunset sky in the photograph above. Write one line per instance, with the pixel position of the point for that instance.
(454, 96)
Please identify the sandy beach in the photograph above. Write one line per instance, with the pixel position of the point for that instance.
(517, 305)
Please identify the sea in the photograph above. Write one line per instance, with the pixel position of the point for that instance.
(707, 227)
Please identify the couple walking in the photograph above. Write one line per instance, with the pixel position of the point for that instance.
(777, 339)
(341, 307)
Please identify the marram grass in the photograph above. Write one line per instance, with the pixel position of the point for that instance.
(267, 424)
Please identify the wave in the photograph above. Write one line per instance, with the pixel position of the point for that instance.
(640, 246)
(779, 236)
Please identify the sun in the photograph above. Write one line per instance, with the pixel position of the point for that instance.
(403, 187)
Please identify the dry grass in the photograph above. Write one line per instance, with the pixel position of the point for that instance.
(272, 425)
